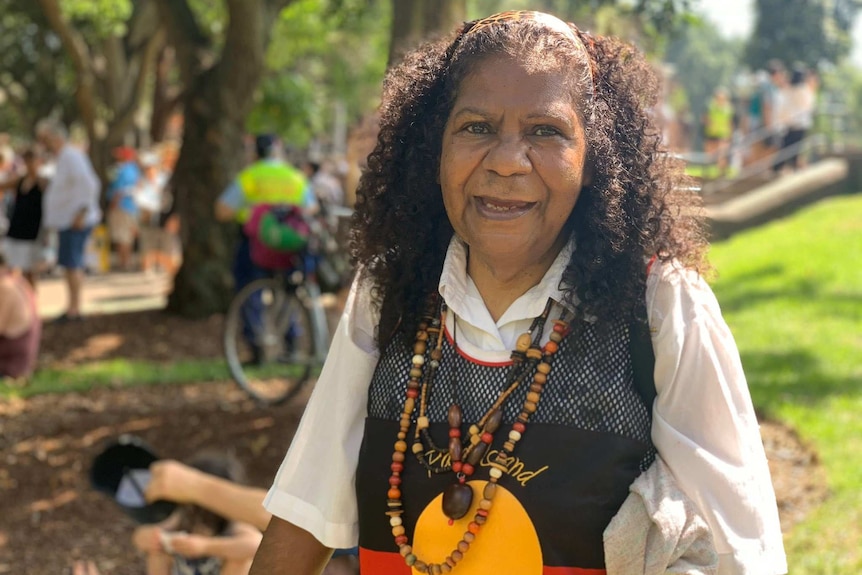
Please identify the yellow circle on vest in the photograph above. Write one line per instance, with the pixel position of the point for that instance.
(506, 544)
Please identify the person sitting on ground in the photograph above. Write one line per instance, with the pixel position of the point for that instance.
(20, 326)
(22, 248)
(198, 541)
(172, 480)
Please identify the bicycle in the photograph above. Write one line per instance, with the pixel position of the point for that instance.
(283, 318)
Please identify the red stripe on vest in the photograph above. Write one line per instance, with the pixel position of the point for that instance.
(385, 563)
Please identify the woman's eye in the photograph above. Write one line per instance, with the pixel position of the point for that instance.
(477, 128)
(546, 131)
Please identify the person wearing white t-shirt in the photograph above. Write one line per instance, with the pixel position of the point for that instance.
(71, 207)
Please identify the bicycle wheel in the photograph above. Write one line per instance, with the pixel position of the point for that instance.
(270, 341)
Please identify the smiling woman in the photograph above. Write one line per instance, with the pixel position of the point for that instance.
(490, 397)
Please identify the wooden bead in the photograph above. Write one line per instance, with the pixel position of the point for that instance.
(544, 367)
(530, 407)
(410, 559)
(475, 440)
(534, 353)
(415, 372)
(514, 435)
(398, 530)
(494, 420)
(409, 405)
(401, 446)
(469, 537)
(397, 467)
(402, 435)
(463, 546)
(551, 347)
(412, 393)
(480, 519)
(486, 503)
(405, 550)
(434, 569)
(519, 427)
(418, 447)
(422, 423)
(540, 378)
(533, 396)
(489, 491)
(395, 521)
(556, 337)
(398, 457)
(509, 446)
(445, 568)
(394, 493)
(455, 449)
(474, 430)
(476, 454)
(523, 342)
(419, 347)
(495, 473)
(457, 556)
(454, 416)
(436, 354)
(421, 566)
(394, 481)
(422, 336)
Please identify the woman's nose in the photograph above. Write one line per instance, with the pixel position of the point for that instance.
(508, 156)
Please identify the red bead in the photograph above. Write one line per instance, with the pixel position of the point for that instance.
(487, 438)
(560, 328)
(401, 540)
(519, 427)
(394, 481)
(456, 466)
(551, 347)
(414, 393)
(397, 467)
(454, 432)
(467, 469)
(482, 512)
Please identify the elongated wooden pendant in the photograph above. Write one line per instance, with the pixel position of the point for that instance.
(457, 499)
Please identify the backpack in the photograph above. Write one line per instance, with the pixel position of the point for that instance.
(277, 234)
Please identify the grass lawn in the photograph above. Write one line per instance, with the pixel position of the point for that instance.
(792, 294)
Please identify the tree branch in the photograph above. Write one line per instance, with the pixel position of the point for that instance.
(125, 118)
(185, 34)
(81, 58)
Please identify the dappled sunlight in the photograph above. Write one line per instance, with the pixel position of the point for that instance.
(94, 348)
(52, 503)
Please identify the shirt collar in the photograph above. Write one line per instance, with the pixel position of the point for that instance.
(463, 298)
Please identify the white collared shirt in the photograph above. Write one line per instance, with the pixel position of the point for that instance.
(73, 187)
(704, 424)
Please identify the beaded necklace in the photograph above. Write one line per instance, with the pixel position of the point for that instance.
(528, 359)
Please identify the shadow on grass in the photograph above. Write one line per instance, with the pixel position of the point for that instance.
(799, 377)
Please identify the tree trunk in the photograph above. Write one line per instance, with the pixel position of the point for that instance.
(217, 100)
(415, 21)
(211, 154)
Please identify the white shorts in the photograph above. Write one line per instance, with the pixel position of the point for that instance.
(24, 255)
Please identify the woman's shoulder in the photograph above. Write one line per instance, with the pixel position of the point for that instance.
(672, 285)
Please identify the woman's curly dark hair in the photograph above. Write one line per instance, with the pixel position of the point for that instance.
(636, 206)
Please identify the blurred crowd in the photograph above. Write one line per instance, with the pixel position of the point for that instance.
(763, 117)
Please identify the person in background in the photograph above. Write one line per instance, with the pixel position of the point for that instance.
(325, 185)
(196, 541)
(23, 250)
(267, 181)
(70, 206)
(20, 327)
(718, 128)
(800, 103)
(150, 199)
(122, 206)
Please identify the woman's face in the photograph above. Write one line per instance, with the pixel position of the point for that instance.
(513, 162)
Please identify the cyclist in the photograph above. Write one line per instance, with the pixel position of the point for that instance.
(269, 181)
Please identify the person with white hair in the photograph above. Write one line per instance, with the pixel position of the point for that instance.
(71, 206)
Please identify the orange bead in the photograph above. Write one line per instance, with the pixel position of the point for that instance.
(551, 347)
(473, 527)
(394, 493)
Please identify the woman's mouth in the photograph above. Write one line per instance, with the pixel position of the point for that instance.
(497, 209)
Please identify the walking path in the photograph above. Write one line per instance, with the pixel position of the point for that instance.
(106, 293)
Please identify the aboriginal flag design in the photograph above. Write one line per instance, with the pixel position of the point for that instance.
(584, 446)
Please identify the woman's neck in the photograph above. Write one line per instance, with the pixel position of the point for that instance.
(501, 283)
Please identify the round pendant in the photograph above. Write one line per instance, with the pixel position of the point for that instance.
(456, 500)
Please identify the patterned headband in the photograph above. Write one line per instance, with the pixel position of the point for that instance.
(548, 21)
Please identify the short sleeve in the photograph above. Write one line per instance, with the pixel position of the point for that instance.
(232, 196)
(704, 425)
(314, 487)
